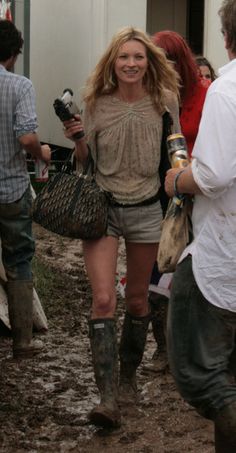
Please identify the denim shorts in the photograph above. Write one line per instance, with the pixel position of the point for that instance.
(201, 345)
(136, 224)
(16, 236)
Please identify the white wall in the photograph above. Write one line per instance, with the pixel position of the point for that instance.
(213, 39)
(19, 22)
(66, 40)
(68, 37)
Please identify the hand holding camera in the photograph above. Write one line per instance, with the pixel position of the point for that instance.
(68, 112)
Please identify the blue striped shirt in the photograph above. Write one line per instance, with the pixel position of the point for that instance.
(17, 118)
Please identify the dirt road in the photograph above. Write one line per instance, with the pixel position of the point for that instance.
(44, 402)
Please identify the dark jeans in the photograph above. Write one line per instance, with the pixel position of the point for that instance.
(16, 236)
(201, 344)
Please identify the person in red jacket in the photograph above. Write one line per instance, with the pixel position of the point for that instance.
(192, 91)
(192, 96)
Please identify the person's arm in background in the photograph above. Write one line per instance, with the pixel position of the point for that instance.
(26, 124)
(31, 144)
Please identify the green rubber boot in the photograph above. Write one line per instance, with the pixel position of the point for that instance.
(225, 429)
(105, 361)
(159, 307)
(20, 307)
(132, 344)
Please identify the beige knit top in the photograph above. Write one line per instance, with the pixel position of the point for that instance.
(125, 141)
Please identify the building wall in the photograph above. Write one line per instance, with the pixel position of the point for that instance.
(66, 40)
(214, 48)
(19, 21)
(166, 15)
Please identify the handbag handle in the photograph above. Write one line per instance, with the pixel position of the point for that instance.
(89, 164)
(167, 123)
(87, 168)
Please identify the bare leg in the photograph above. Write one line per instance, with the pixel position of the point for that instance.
(100, 259)
(140, 260)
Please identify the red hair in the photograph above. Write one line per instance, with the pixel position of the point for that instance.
(178, 51)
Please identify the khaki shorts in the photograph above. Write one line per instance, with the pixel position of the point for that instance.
(137, 224)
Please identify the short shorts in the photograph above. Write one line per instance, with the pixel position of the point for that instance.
(136, 224)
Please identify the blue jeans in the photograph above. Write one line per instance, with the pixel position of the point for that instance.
(201, 344)
(18, 245)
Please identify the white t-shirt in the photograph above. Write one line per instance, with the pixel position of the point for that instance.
(214, 214)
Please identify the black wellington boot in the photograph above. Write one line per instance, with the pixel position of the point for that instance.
(159, 307)
(105, 361)
(225, 429)
(132, 344)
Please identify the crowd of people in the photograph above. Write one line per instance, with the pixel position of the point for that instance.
(137, 84)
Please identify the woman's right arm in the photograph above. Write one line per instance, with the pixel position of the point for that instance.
(71, 127)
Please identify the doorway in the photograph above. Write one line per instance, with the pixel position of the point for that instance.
(195, 25)
(184, 16)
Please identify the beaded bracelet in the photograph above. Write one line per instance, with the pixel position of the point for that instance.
(177, 194)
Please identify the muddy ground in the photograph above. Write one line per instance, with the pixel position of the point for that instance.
(44, 402)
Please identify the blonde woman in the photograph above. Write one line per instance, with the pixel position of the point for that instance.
(131, 88)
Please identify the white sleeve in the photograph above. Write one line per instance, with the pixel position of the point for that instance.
(214, 153)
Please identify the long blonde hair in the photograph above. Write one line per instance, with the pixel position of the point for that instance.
(160, 74)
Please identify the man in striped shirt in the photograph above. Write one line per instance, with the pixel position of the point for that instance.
(18, 125)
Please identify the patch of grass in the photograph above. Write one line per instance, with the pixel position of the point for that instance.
(57, 291)
(44, 278)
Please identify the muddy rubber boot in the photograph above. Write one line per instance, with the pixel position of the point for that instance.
(159, 306)
(103, 342)
(132, 344)
(20, 307)
(225, 429)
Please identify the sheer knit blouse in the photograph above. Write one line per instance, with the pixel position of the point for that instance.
(125, 140)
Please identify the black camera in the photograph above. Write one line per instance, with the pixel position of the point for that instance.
(66, 109)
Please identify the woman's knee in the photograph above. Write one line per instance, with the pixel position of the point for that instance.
(137, 305)
(103, 305)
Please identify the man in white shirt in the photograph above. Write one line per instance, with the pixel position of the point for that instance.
(202, 312)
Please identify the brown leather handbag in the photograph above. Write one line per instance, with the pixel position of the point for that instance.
(73, 205)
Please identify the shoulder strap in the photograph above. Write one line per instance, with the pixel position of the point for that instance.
(167, 123)
(89, 166)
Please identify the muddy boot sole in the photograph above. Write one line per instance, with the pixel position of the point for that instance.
(105, 417)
